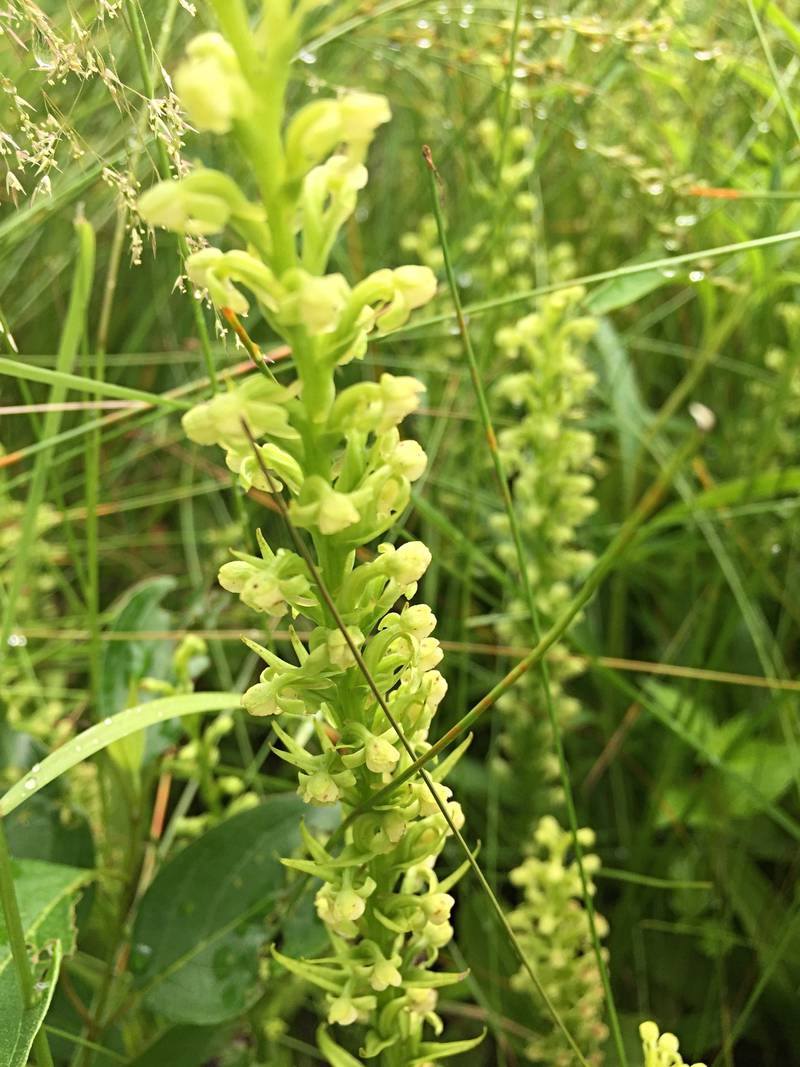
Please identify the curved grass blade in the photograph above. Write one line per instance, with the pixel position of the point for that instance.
(664, 263)
(16, 369)
(71, 334)
(113, 728)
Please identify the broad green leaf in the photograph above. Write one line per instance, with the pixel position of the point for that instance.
(103, 734)
(752, 487)
(200, 926)
(46, 829)
(619, 384)
(45, 892)
(126, 663)
(183, 1046)
(621, 292)
(20, 1025)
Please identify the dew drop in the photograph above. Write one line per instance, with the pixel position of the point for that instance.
(36, 768)
(655, 188)
(580, 143)
(424, 42)
(540, 111)
(763, 127)
(668, 273)
(464, 24)
(307, 57)
(17, 640)
(423, 24)
(704, 54)
(775, 550)
(468, 9)
(696, 275)
(685, 220)
(107, 720)
(29, 784)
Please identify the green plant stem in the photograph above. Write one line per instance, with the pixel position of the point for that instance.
(71, 335)
(773, 69)
(362, 666)
(663, 263)
(508, 504)
(19, 950)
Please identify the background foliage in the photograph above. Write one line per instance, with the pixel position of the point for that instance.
(653, 131)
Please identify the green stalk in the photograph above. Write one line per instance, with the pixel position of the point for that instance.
(629, 269)
(773, 69)
(67, 352)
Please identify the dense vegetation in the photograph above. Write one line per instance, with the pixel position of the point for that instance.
(398, 536)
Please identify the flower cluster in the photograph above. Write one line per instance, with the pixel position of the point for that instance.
(551, 460)
(553, 930)
(339, 454)
(661, 1050)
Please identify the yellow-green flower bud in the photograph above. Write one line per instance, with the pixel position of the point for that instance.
(416, 283)
(210, 84)
(409, 459)
(260, 700)
(318, 788)
(233, 576)
(405, 564)
(437, 907)
(339, 651)
(201, 203)
(361, 114)
(315, 303)
(401, 395)
(313, 132)
(380, 755)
